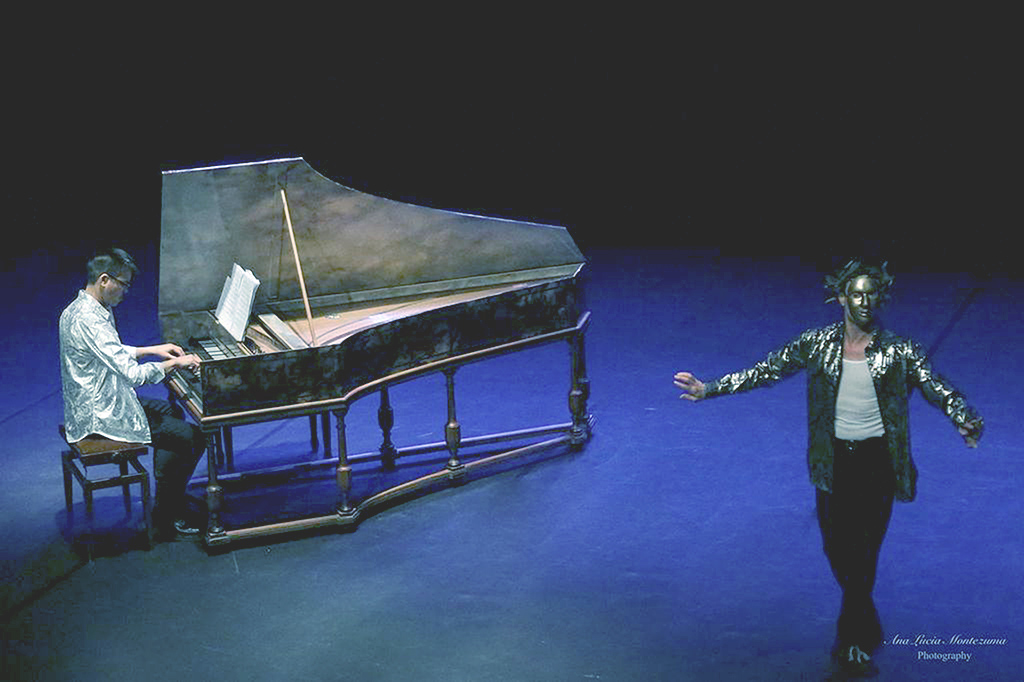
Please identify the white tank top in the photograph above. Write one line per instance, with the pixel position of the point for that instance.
(857, 414)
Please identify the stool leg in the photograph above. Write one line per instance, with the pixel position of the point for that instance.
(145, 510)
(127, 493)
(65, 462)
(87, 492)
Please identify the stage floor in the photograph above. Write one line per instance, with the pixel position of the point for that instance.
(680, 544)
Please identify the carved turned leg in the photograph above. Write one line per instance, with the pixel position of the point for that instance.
(218, 449)
(325, 424)
(314, 434)
(386, 419)
(452, 430)
(227, 455)
(344, 471)
(579, 393)
(214, 491)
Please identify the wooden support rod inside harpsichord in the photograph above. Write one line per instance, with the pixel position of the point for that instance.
(298, 268)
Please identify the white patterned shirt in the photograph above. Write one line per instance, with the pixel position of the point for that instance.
(99, 375)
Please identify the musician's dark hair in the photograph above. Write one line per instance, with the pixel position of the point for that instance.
(114, 262)
(838, 281)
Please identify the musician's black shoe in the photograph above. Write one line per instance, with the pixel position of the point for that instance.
(183, 527)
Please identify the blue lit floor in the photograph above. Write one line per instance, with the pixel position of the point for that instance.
(681, 544)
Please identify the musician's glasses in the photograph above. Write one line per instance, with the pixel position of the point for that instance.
(124, 285)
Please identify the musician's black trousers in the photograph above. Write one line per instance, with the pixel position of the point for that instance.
(853, 520)
(177, 447)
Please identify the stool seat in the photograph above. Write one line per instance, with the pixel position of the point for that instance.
(92, 446)
(95, 450)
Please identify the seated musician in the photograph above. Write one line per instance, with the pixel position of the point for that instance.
(99, 375)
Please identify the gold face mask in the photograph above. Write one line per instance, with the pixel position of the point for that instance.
(861, 301)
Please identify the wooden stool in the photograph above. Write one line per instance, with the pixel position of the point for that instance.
(95, 450)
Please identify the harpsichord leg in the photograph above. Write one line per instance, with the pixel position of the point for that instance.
(452, 430)
(314, 433)
(229, 448)
(214, 491)
(386, 419)
(344, 470)
(579, 393)
(325, 424)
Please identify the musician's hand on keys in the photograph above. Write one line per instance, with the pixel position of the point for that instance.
(165, 351)
(190, 362)
(170, 350)
(694, 388)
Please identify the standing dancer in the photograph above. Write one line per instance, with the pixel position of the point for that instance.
(859, 378)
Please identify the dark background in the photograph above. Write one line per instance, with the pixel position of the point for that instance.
(804, 135)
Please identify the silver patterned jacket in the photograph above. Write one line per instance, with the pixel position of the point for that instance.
(99, 375)
(897, 366)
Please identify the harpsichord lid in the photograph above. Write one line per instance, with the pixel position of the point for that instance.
(349, 242)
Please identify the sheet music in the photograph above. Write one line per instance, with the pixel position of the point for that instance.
(236, 300)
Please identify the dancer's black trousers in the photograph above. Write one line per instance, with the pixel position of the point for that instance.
(177, 447)
(853, 520)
